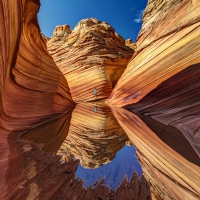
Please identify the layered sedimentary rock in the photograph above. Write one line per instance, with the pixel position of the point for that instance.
(91, 56)
(94, 137)
(176, 102)
(171, 172)
(32, 87)
(168, 43)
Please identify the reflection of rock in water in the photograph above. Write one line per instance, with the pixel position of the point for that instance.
(181, 108)
(94, 138)
(51, 134)
(170, 172)
(27, 173)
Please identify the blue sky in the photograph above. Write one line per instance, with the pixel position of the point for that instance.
(123, 15)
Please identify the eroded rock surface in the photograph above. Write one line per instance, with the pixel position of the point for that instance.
(32, 89)
(92, 56)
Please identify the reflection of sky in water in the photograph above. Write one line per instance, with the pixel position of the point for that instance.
(125, 162)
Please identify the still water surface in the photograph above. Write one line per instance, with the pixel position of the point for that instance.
(95, 138)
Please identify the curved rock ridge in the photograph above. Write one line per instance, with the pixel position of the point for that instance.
(32, 86)
(168, 43)
(171, 172)
(93, 138)
(176, 102)
(92, 56)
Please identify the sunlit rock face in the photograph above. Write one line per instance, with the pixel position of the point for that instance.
(168, 43)
(92, 56)
(94, 137)
(32, 87)
(172, 172)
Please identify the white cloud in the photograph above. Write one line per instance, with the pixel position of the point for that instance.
(138, 16)
(137, 20)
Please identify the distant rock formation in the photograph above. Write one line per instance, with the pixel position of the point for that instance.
(130, 44)
(92, 56)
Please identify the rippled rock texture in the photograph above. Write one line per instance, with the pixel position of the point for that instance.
(168, 43)
(31, 85)
(91, 56)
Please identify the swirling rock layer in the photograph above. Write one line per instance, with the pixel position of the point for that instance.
(168, 43)
(32, 86)
(90, 56)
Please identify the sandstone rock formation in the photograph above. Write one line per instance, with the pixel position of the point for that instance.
(168, 43)
(32, 87)
(92, 55)
(93, 138)
(171, 172)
